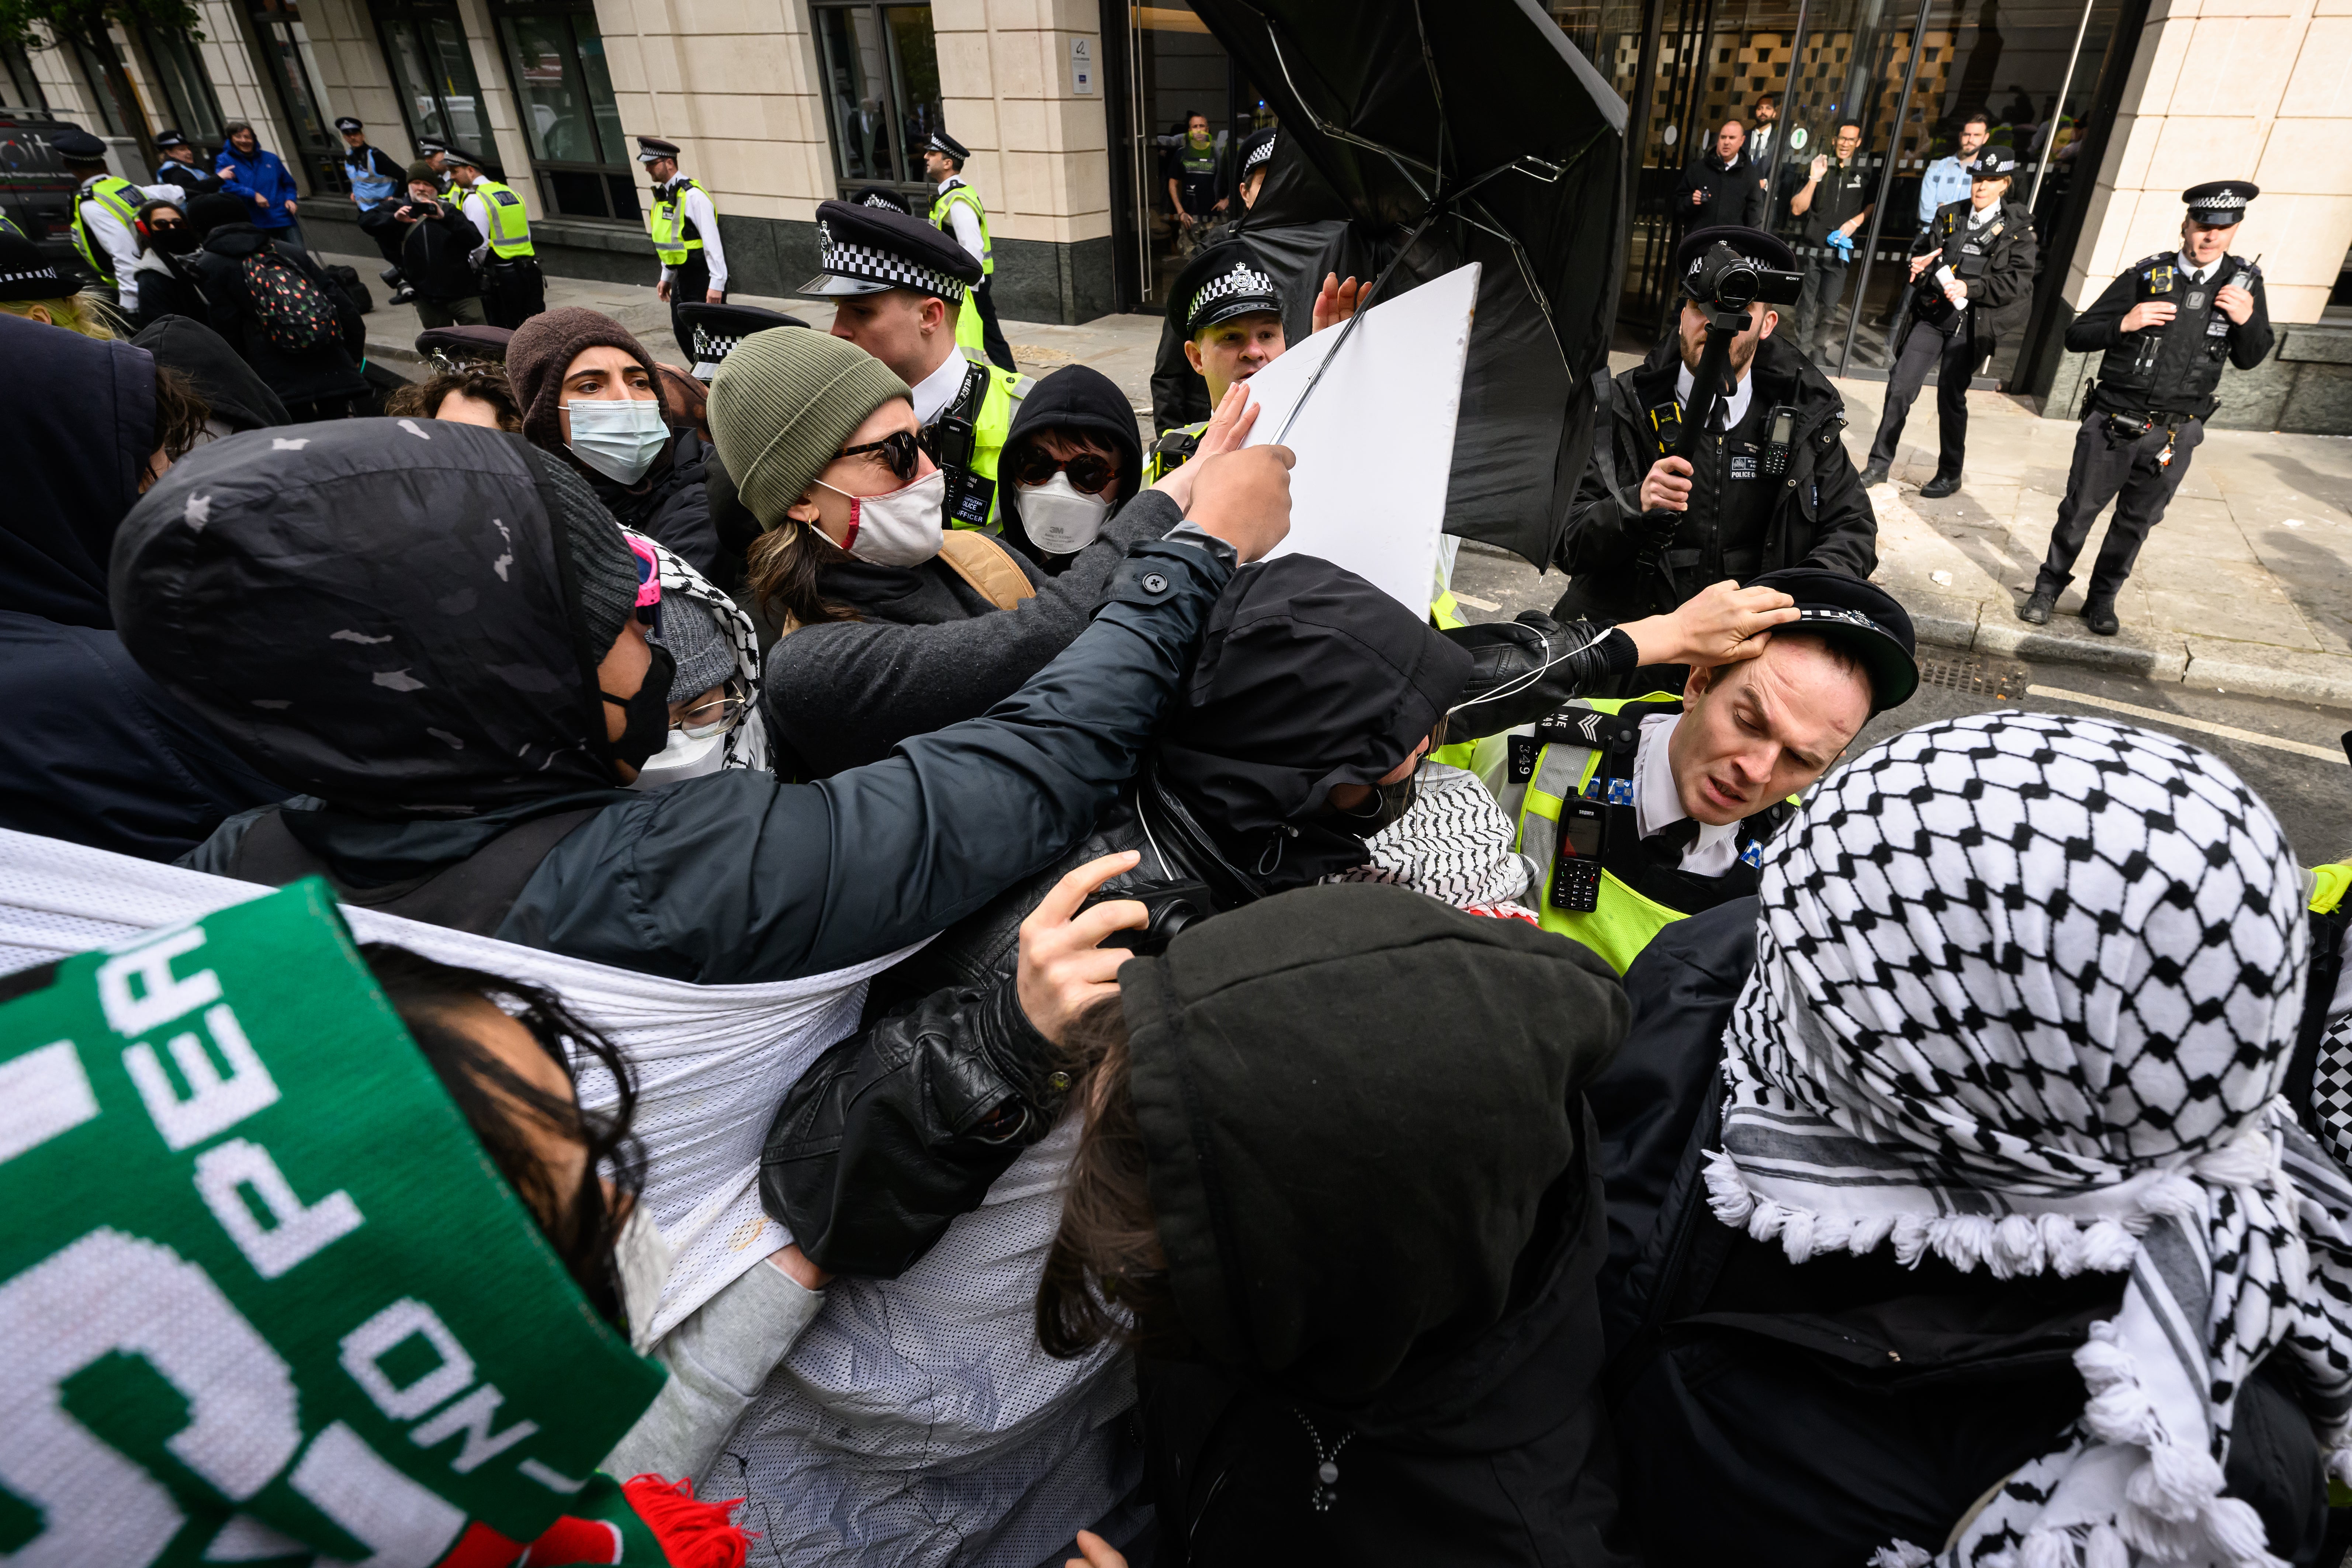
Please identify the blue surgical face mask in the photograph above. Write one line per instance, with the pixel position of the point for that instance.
(618, 439)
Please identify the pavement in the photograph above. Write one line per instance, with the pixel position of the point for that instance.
(2245, 587)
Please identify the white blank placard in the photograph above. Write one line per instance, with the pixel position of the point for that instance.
(1375, 443)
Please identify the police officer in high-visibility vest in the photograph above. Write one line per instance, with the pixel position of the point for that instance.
(1640, 811)
(896, 286)
(957, 211)
(377, 186)
(2165, 329)
(685, 229)
(106, 213)
(512, 289)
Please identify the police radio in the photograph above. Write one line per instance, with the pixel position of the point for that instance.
(1575, 868)
(1780, 435)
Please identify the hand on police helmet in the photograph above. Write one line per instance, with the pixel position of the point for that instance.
(1722, 623)
(1667, 486)
(1063, 968)
(1244, 497)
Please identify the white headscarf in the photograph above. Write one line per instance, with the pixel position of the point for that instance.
(2026, 988)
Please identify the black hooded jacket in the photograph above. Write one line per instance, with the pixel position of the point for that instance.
(1368, 1157)
(93, 752)
(329, 371)
(239, 399)
(428, 594)
(1076, 399)
(1772, 1413)
(1308, 678)
(1820, 515)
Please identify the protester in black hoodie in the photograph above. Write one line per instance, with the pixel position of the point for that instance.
(1072, 457)
(93, 752)
(1336, 1183)
(294, 325)
(239, 400)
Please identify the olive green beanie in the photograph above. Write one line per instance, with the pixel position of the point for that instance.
(784, 403)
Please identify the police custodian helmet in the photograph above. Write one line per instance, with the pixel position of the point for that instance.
(864, 250)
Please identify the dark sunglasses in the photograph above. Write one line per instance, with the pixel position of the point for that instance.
(1088, 471)
(899, 451)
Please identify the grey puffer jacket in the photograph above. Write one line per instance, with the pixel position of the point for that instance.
(930, 652)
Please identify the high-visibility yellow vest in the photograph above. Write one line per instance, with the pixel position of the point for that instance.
(945, 202)
(509, 234)
(2329, 883)
(1624, 919)
(666, 223)
(989, 425)
(106, 192)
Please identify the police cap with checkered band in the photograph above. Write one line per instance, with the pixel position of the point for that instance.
(864, 250)
(1858, 616)
(2220, 204)
(1220, 283)
(715, 329)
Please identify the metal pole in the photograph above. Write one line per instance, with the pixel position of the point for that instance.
(1144, 196)
(2050, 142)
(1780, 137)
(1886, 180)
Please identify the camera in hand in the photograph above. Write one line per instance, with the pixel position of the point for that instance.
(1172, 908)
(1727, 280)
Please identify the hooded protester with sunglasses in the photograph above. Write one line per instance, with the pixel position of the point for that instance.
(166, 282)
(1071, 459)
(591, 394)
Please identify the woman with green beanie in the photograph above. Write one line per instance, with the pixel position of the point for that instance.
(897, 624)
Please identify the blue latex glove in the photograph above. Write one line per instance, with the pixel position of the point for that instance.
(1842, 244)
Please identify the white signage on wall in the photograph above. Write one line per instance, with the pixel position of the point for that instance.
(1082, 66)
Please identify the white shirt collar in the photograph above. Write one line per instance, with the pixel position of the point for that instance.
(1658, 804)
(1735, 407)
(937, 390)
(2196, 274)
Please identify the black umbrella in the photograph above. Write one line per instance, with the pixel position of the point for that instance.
(1416, 138)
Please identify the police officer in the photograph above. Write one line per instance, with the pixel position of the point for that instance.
(1773, 486)
(180, 166)
(2164, 329)
(717, 329)
(1641, 811)
(685, 229)
(957, 211)
(896, 286)
(106, 213)
(1256, 153)
(377, 186)
(1972, 283)
(513, 291)
(435, 156)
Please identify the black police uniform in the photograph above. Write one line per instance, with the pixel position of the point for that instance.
(2148, 409)
(1997, 258)
(1776, 490)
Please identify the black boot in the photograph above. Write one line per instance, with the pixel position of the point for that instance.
(1939, 487)
(2099, 615)
(2036, 608)
(1873, 475)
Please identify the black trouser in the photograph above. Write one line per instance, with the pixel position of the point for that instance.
(689, 284)
(1817, 303)
(1953, 359)
(512, 291)
(2128, 473)
(467, 311)
(991, 336)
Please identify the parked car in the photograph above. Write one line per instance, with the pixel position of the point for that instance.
(36, 192)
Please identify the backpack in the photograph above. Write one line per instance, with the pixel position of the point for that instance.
(294, 314)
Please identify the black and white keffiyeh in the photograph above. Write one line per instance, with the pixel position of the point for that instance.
(746, 743)
(2025, 991)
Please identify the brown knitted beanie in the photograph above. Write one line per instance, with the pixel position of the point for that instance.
(543, 348)
(782, 404)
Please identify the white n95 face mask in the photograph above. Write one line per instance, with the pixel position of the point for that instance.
(1061, 517)
(683, 758)
(619, 440)
(900, 527)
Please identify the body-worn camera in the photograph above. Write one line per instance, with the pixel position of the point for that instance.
(1172, 907)
(1727, 280)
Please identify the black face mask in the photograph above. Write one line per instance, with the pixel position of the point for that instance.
(172, 238)
(647, 730)
(1390, 802)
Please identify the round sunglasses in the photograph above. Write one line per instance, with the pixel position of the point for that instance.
(1088, 471)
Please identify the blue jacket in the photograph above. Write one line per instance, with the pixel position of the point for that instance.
(264, 175)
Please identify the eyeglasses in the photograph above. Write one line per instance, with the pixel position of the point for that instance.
(1088, 471)
(717, 716)
(896, 451)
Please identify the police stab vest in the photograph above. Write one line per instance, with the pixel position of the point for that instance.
(943, 207)
(2173, 367)
(673, 234)
(509, 230)
(107, 191)
(968, 438)
(1569, 783)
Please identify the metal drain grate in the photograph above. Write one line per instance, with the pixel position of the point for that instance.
(1975, 677)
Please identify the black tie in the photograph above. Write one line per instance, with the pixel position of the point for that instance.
(1669, 842)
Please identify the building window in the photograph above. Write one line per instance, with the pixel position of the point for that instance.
(20, 87)
(287, 61)
(881, 72)
(115, 117)
(556, 56)
(179, 71)
(440, 97)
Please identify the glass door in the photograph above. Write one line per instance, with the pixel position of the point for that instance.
(1188, 107)
(294, 72)
(433, 67)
